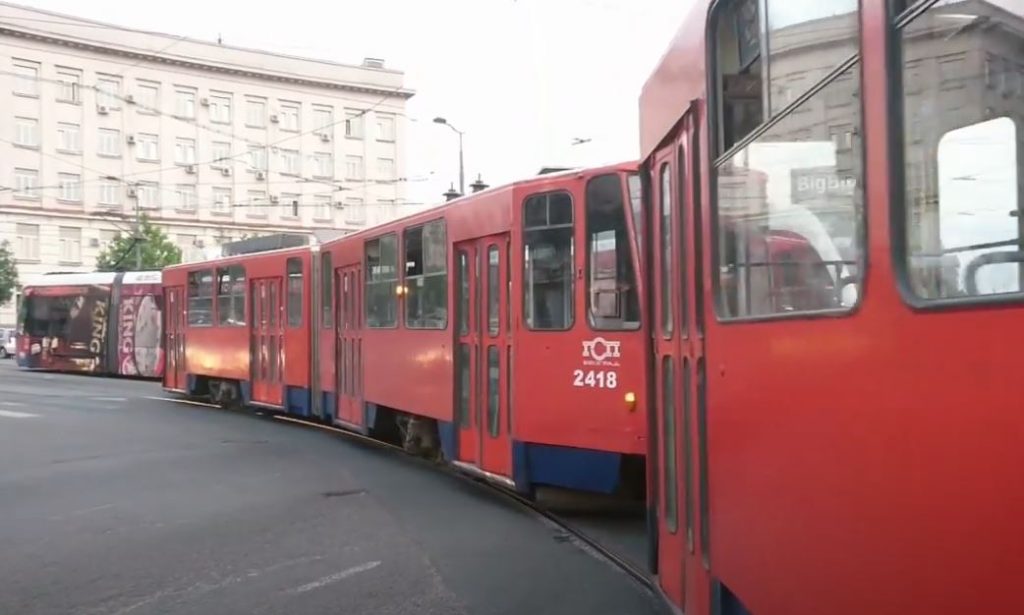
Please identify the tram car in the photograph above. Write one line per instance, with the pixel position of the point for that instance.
(103, 323)
(828, 437)
(500, 331)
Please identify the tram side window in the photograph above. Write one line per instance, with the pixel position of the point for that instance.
(382, 282)
(326, 290)
(231, 296)
(962, 97)
(295, 284)
(426, 276)
(548, 253)
(758, 79)
(789, 211)
(611, 279)
(200, 298)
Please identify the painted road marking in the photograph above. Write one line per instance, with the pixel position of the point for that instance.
(10, 414)
(11, 403)
(109, 398)
(334, 578)
(183, 401)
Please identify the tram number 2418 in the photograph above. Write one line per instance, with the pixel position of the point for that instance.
(597, 379)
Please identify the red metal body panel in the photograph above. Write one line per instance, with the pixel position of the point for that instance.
(864, 463)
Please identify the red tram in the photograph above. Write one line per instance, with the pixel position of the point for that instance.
(828, 436)
(98, 323)
(419, 331)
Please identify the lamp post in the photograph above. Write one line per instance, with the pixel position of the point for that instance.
(462, 172)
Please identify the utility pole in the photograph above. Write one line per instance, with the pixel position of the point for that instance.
(462, 171)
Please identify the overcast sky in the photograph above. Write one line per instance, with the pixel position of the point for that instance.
(522, 78)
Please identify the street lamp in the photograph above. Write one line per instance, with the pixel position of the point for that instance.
(462, 172)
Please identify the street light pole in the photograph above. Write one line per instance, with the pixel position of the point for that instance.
(462, 170)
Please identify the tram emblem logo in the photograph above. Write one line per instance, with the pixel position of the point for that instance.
(599, 350)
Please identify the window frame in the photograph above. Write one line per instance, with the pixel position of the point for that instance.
(716, 154)
(367, 280)
(424, 275)
(523, 261)
(898, 210)
(189, 297)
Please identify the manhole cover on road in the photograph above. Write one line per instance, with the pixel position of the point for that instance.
(343, 493)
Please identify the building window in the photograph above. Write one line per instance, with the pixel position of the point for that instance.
(26, 182)
(220, 108)
(222, 200)
(354, 123)
(382, 282)
(295, 292)
(256, 201)
(147, 98)
(256, 112)
(187, 198)
(69, 138)
(70, 187)
(385, 127)
(184, 151)
(322, 207)
(231, 296)
(200, 298)
(108, 92)
(110, 192)
(385, 169)
(106, 238)
(611, 279)
(323, 121)
(147, 147)
(355, 211)
(108, 142)
(426, 276)
(70, 239)
(70, 83)
(289, 116)
(26, 132)
(326, 290)
(185, 103)
(290, 162)
(148, 194)
(26, 78)
(220, 153)
(323, 164)
(354, 167)
(548, 255)
(290, 204)
(27, 242)
(257, 158)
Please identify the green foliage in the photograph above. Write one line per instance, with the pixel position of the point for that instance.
(8, 273)
(157, 251)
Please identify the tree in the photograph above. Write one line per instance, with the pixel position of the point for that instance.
(157, 251)
(8, 273)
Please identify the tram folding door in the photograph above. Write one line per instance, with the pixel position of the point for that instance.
(175, 370)
(348, 347)
(482, 357)
(678, 292)
(266, 337)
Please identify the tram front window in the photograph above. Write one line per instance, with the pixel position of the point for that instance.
(611, 277)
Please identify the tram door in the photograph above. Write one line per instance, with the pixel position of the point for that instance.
(174, 351)
(482, 357)
(348, 360)
(266, 338)
(677, 250)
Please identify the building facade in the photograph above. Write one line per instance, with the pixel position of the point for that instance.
(101, 124)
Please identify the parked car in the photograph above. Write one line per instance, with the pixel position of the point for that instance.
(9, 345)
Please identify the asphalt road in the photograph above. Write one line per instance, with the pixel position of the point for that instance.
(113, 503)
